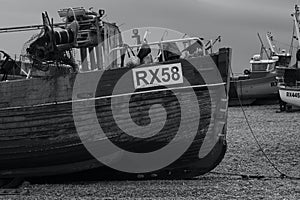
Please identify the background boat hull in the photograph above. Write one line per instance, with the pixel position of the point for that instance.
(290, 96)
(256, 90)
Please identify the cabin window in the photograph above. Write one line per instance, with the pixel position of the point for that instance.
(283, 61)
(271, 66)
(261, 67)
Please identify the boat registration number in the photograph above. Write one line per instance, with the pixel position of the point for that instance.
(157, 75)
(293, 94)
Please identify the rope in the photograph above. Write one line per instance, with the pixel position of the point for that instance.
(246, 176)
(282, 174)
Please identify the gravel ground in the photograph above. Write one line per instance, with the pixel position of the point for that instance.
(278, 134)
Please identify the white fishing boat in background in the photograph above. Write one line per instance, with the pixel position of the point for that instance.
(289, 78)
(258, 84)
(290, 90)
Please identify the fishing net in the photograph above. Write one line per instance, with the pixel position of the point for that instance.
(25, 57)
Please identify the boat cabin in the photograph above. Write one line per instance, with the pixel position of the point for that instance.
(260, 65)
(292, 77)
(284, 59)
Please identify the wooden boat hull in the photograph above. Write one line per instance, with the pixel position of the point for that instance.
(44, 132)
(254, 90)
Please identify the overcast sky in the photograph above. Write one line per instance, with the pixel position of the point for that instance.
(237, 21)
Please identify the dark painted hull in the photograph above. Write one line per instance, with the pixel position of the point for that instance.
(40, 135)
(256, 90)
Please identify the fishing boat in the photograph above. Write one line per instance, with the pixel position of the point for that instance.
(258, 85)
(289, 78)
(289, 90)
(115, 113)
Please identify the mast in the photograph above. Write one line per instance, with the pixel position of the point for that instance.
(262, 47)
(296, 22)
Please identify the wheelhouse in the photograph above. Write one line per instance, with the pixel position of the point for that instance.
(259, 65)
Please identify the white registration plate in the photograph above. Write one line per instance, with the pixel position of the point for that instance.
(157, 75)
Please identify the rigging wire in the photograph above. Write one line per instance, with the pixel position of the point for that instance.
(244, 176)
(285, 44)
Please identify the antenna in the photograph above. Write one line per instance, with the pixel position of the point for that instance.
(164, 35)
(184, 35)
(145, 36)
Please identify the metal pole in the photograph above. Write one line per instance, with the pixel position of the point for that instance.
(263, 47)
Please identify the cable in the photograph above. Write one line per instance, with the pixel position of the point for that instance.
(282, 175)
(285, 44)
(246, 176)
